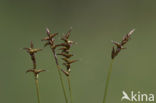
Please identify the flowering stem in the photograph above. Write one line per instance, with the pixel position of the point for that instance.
(60, 75)
(70, 90)
(37, 89)
(107, 81)
(62, 84)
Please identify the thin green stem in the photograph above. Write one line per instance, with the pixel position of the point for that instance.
(70, 90)
(62, 84)
(37, 89)
(107, 81)
(60, 75)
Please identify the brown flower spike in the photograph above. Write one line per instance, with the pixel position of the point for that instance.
(50, 39)
(65, 52)
(119, 46)
(32, 52)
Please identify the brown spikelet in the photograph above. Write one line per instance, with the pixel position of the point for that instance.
(32, 52)
(35, 71)
(65, 55)
(65, 52)
(50, 39)
(119, 46)
(66, 36)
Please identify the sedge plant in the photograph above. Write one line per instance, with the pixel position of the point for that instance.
(51, 43)
(64, 47)
(115, 52)
(66, 55)
(34, 70)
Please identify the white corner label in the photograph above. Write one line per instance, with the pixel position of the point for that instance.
(137, 96)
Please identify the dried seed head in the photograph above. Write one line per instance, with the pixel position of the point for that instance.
(50, 39)
(65, 52)
(32, 52)
(119, 46)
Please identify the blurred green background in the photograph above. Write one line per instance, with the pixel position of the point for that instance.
(95, 23)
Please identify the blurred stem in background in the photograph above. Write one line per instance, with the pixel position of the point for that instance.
(107, 80)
